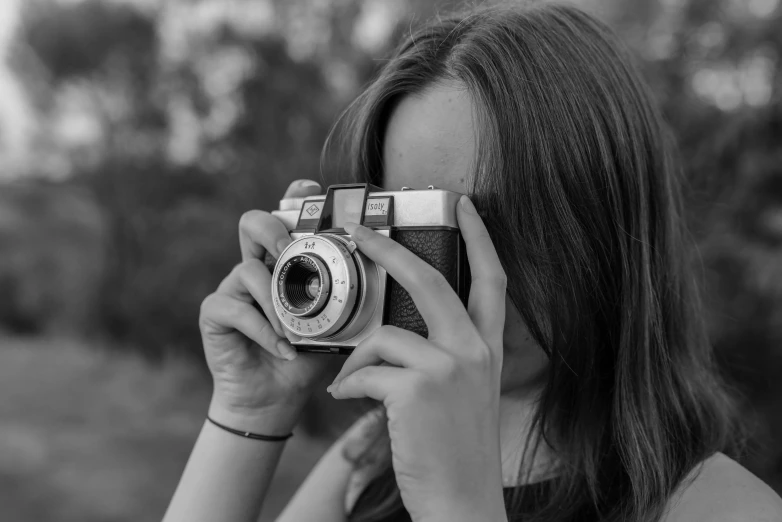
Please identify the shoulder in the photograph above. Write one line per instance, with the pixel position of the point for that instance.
(722, 490)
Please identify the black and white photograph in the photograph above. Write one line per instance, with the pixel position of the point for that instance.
(391, 260)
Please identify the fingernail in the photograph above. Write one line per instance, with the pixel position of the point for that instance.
(308, 183)
(356, 231)
(282, 243)
(467, 205)
(286, 350)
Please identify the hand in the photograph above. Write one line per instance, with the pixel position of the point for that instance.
(259, 379)
(442, 393)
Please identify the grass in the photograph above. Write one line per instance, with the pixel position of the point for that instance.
(95, 435)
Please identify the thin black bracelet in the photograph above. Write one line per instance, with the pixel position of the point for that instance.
(249, 435)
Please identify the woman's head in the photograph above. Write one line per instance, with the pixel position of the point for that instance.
(430, 138)
(537, 113)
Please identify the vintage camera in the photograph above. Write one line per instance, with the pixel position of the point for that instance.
(332, 296)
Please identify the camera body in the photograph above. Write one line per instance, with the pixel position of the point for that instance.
(331, 295)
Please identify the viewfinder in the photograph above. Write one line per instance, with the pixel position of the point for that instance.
(343, 203)
(348, 204)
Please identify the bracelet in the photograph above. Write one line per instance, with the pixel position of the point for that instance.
(249, 435)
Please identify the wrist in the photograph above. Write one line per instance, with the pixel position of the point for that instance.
(276, 419)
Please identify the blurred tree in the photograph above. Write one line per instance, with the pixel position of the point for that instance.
(82, 38)
(171, 225)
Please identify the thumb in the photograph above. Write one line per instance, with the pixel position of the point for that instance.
(301, 188)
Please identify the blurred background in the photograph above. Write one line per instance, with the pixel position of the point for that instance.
(134, 133)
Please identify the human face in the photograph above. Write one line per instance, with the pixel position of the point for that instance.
(431, 139)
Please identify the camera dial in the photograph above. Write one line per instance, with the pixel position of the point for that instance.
(318, 285)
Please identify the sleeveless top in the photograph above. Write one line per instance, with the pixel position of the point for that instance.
(533, 497)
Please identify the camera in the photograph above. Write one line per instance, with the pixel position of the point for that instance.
(331, 295)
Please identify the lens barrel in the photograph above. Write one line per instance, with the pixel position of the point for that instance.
(304, 285)
(318, 286)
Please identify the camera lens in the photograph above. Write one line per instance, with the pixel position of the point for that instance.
(323, 288)
(305, 285)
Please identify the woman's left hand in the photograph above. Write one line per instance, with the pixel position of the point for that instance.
(442, 393)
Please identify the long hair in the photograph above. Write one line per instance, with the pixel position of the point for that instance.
(576, 180)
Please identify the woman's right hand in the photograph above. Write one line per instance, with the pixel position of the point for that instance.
(260, 382)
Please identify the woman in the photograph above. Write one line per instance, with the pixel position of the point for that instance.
(581, 389)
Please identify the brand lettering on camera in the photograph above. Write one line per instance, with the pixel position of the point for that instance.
(376, 207)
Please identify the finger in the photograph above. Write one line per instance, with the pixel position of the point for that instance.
(395, 346)
(432, 294)
(486, 304)
(250, 281)
(222, 314)
(374, 382)
(301, 188)
(260, 232)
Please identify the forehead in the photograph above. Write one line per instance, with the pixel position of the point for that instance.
(430, 140)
